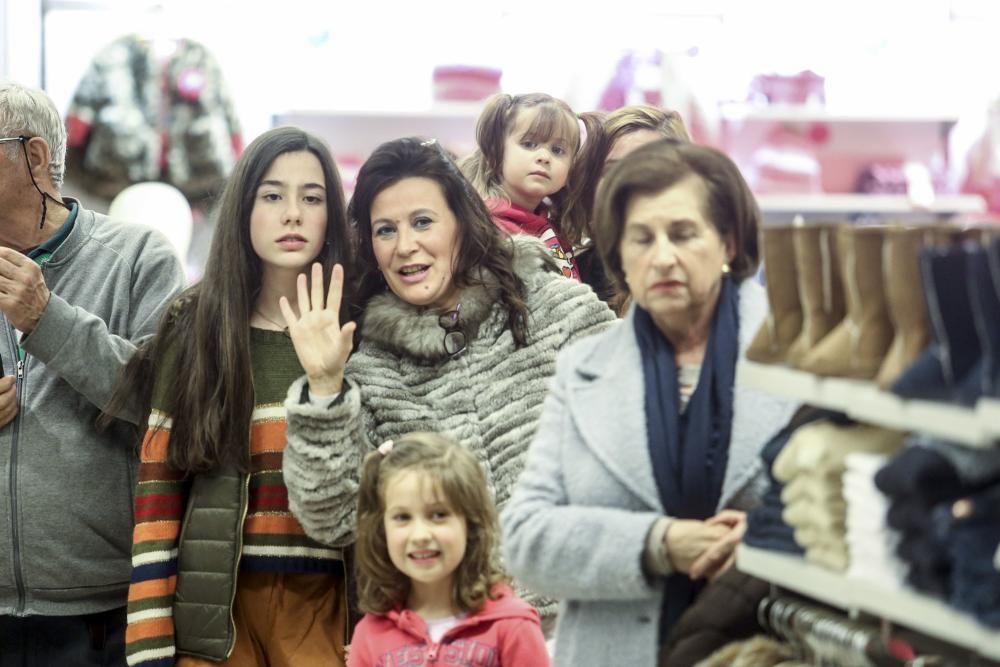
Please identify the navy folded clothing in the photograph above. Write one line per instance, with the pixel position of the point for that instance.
(930, 567)
(972, 541)
(923, 473)
(909, 515)
(765, 527)
(976, 589)
(767, 530)
(977, 468)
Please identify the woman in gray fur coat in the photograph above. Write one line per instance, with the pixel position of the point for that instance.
(459, 335)
(647, 451)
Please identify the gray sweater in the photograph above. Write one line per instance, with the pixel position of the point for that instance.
(401, 380)
(66, 490)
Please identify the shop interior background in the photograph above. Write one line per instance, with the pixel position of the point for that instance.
(875, 55)
(899, 78)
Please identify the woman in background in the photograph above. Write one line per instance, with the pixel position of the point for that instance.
(610, 137)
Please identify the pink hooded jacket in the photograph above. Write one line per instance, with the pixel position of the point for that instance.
(505, 632)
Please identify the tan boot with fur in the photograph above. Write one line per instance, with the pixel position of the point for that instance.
(784, 321)
(821, 290)
(857, 346)
(905, 296)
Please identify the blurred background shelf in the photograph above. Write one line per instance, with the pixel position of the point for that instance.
(358, 132)
(805, 113)
(859, 204)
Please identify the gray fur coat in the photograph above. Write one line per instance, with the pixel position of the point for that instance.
(576, 525)
(401, 380)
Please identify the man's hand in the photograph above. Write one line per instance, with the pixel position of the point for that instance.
(8, 399)
(23, 294)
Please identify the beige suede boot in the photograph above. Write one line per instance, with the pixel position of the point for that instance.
(784, 321)
(821, 290)
(856, 347)
(904, 293)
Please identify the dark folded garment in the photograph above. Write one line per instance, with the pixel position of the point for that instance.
(924, 548)
(767, 530)
(972, 541)
(976, 589)
(922, 473)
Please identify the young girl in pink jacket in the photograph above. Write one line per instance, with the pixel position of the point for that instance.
(428, 574)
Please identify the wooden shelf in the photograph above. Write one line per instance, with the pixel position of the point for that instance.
(899, 605)
(864, 401)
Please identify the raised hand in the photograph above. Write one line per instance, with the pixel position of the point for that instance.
(320, 341)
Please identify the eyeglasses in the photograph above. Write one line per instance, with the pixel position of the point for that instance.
(45, 195)
(454, 338)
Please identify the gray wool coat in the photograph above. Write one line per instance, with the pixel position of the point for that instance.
(576, 526)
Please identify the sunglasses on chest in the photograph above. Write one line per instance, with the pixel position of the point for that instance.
(454, 337)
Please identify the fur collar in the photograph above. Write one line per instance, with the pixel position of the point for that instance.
(413, 331)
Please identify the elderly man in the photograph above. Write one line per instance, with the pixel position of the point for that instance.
(77, 293)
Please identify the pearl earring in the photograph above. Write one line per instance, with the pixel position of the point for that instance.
(725, 268)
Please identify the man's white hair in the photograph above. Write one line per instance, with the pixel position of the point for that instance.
(30, 112)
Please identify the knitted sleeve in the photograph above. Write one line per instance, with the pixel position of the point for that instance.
(322, 462)
(559, 302)
(159, 508)
(160, 500)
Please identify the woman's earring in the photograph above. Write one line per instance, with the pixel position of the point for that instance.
(725, 268)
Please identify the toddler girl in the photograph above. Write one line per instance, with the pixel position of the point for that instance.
(428, 574)
(528, 169)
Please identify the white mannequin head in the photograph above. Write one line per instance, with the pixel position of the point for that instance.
(157, 205)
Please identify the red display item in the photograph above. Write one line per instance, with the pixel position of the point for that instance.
(801, 88)
(465, 82)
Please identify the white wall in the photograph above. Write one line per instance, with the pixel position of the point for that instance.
(311, 54)
(3, 42)
(20, 41)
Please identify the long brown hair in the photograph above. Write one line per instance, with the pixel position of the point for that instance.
(484, 168)
(460, 478)
(202, 345)
(480, 243)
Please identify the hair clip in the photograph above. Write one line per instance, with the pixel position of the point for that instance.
(385, 448)
(428, 142)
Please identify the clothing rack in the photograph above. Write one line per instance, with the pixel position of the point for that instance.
(826, 638)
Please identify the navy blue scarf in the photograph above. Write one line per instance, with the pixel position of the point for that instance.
(689, 452)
